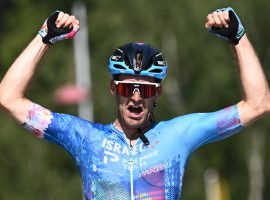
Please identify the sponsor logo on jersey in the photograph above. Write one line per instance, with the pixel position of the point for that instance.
(115, 152)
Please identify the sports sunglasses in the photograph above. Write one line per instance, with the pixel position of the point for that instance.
(145, 90)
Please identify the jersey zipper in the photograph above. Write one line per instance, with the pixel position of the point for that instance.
(131, 172)
(123, 137)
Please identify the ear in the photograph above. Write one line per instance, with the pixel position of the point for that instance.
(159, 91)
(113, 88)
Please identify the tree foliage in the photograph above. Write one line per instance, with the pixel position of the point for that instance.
(202, 69)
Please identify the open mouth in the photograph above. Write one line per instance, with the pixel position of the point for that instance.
(135, 109)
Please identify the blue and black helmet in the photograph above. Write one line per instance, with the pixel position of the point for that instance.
(138, 59)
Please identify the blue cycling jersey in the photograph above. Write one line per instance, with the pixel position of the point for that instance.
(111, 169)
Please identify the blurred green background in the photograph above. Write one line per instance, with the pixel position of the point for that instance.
(202, 77)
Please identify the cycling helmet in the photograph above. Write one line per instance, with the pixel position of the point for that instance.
(138, 59)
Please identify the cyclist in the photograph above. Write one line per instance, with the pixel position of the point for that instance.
(135, 157)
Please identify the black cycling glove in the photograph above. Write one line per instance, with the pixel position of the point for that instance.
(51, 34)
(235, 30)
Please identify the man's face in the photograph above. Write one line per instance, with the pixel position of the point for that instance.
(134, 111)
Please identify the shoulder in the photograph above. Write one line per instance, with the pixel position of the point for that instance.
(68, 122)
(225, 116)
(179, 124)
(183, 119)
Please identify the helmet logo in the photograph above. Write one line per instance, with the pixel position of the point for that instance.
(116, 58)
(163, 63)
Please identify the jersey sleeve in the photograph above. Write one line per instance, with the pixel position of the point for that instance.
(201, 128)
(61, 129)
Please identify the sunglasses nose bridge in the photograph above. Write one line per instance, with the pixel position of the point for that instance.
(136, 89)
(136, 94)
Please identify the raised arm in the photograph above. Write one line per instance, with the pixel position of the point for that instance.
(256, 98)
(59, 26)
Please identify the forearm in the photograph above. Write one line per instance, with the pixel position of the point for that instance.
(254, 84)
(18, 76)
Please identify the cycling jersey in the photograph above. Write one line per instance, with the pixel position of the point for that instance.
(112, 169)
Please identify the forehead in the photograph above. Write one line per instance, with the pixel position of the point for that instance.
(128, 77)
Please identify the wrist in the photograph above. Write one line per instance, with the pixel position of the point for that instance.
(243, 41)
(39, 42)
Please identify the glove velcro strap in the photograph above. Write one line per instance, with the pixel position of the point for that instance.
(47, 39)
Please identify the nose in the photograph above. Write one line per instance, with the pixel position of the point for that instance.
(136, 95)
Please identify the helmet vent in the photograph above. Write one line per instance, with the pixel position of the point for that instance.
(126, 60)
(156, 71)
(150, 63)
(119, 66)
(138, 61)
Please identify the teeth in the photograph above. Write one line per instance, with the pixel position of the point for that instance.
(135, 106)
